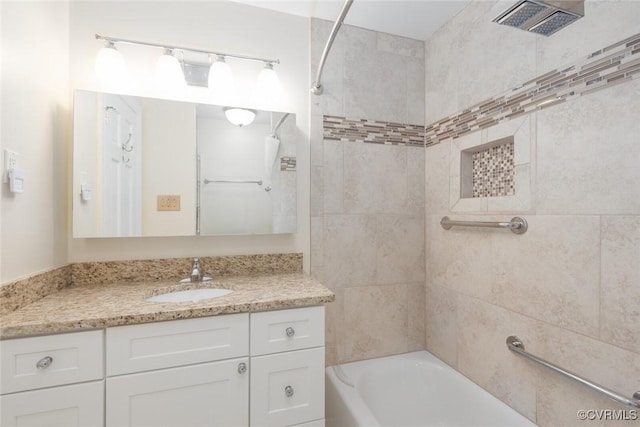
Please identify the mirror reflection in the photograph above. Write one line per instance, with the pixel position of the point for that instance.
(154, 167)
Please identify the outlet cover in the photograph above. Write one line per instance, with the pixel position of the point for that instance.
(168, 202)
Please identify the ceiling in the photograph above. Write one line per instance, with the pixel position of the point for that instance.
(416, 19)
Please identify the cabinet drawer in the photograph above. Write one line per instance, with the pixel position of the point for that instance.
(78, 405)
(287, 388)
(31, 363)
(160, 345)
(285, 330)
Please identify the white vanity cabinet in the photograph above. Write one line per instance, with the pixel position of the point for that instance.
(53, 380)
(260, 369)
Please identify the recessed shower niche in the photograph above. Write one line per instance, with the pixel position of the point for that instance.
(490, 170)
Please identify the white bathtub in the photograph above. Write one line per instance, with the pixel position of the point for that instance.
(411, 390)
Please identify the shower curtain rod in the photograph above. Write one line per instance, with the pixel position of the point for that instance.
(316, 87)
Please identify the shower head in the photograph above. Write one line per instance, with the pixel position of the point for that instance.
(542, 17)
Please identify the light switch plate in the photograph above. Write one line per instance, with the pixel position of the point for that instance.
(168, 202)
(10, 162)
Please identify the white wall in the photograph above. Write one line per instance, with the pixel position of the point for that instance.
(222, 26)
(35, 104)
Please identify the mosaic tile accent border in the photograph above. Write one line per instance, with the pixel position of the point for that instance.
(17, 294)
(604, 68)
(362, 130)
(493, 171)
(288, 164)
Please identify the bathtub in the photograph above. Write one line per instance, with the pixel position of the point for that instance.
(411, 390)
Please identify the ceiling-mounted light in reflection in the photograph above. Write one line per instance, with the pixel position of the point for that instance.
(109, 66)
(221, 82)
(268, 85)
(169, 74)
(240, 116)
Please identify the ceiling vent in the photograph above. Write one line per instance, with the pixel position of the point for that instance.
(542, 17)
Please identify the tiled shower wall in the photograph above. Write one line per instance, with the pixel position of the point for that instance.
(367, 199)
(570, 286)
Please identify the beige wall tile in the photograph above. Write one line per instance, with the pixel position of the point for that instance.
(437, 178)
(315, 141)
(484, 357)
(441, 313)
(415, 90)
(588, 154)
(334, 329)
(442, 73)
(400, 252)
(349, 250)
(415, 181)
(416, 300)
(376, 322)
(375, 178)
(317, 241)
(620, 288)
(333, 176)
(317, 191)
(551, 272)
(459, 258)
(400, 46)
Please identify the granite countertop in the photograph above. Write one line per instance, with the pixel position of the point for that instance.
(99, 306)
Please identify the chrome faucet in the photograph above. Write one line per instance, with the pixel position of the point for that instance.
(196, 271)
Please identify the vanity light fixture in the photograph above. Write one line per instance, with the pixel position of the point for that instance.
(268, 86)
(240, 116)
(109, 66)
(220, 81)
(169, 73)
(220, 77)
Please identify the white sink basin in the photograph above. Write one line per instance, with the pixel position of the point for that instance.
(190, 295)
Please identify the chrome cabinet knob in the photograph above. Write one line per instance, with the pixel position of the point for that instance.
(242, 368)
(45, 362)
(288, 391)
(290, 331)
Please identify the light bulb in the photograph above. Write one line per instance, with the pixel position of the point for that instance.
(268, 86)
(240, 116)
(109, 66)
(169, 73)
(221, 82)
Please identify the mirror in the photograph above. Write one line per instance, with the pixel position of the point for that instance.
(156, 167)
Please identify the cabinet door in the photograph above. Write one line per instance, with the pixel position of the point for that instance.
(80, 405)
(209, 394)
(287, 388)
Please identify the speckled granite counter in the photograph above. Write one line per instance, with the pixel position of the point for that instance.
(99, 306)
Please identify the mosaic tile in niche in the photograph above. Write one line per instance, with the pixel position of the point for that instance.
(493, 171)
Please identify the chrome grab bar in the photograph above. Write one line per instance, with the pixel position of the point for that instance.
(515, 345)
(230, 181)
(517, 225)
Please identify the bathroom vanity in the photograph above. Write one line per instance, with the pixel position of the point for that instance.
(241, 366)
